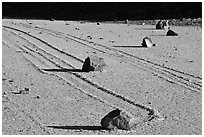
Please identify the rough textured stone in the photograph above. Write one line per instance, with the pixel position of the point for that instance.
(107, 121)
(171, 33)
(93, 63)
(117, 119)
(147, 42)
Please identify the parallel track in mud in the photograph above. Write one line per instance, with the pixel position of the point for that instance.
(180, 78)
(42, 58)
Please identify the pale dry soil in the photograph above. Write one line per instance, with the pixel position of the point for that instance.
(65, 101)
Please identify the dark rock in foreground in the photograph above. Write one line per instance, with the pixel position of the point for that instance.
(93, 63)
(118, 119)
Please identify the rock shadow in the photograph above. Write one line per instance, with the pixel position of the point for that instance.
(136, 46)
(78, 127)
(64, 70)
(158, 35)
(145, 29)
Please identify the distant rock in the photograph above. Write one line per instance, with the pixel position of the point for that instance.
(166, 24)
(127, 21)
(147, 42)
(171, 33)
(89, 37)
(22, 91)
(93, 63)
(160, 25)
(52, 19)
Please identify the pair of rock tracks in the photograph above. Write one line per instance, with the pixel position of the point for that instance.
(189, 81)
(43, 55)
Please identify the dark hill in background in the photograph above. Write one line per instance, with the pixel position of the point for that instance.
(102, 10)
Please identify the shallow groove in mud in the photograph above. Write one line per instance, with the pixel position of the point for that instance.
(43, 52)
(157, 69)
(23, 49)
(45, 43)
(75, 38)
(100, 88)
(154, 67)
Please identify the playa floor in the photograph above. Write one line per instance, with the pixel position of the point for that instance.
(44, 91)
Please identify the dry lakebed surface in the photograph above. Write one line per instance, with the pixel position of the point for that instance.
(63, 100)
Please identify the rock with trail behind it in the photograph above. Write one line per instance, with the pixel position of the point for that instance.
(93, 63)
(147, 42)
(118, 119)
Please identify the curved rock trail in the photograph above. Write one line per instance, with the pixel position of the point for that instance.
(171, 75)
(43, 55)
(42, 58)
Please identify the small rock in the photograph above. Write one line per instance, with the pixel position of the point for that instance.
(3, 79)
(89, 37)
(11, 81)
(22, 91)
(37, 97)
(52, 19)
(16, 92)
(127, 21)
(98, 23)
